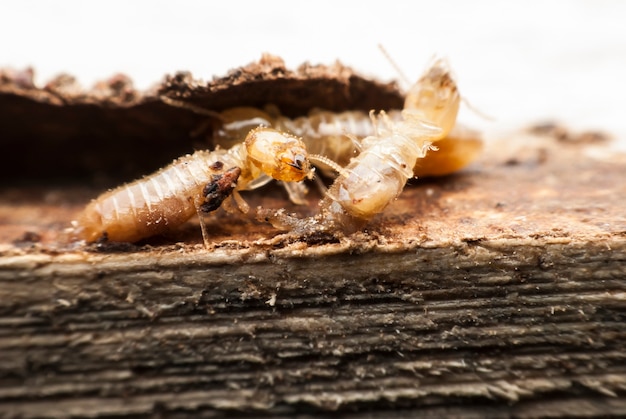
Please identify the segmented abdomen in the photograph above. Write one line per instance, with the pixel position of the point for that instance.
(326, 133)
(376, 177)
(154, 204)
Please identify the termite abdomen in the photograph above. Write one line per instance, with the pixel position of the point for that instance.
(149, 206)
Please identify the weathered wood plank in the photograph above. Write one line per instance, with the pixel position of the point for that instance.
(500, 291)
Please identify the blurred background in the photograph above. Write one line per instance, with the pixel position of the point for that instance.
(518, 62)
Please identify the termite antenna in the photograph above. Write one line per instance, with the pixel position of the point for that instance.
(356, 141)
(193, 108)
(476, 110)
(395, 66)
(316, 158)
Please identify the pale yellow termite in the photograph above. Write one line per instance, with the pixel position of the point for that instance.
(393, 145)
(191, 185)
(337, 135)
(388, 155)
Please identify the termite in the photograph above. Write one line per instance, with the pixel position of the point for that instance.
(193, 184)
(388, 156)
(393, 146)
(337, 135)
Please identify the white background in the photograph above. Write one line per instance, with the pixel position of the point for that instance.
(519, 62)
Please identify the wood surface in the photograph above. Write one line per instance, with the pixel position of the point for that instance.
(499, 291)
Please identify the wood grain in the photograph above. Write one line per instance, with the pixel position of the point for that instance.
(496, 292)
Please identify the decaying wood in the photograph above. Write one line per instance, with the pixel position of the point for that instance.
(113, 126)
(499, 291)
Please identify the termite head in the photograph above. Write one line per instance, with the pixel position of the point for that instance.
(279, 155)
(435, 97)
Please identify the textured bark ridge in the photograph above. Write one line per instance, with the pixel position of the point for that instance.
(497, 292)
(61, 130)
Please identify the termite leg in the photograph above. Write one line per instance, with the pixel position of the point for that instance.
(320, 186)
(193, 108)
(297, 191)
(241, 203)
(356, 141)
(205, 237)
